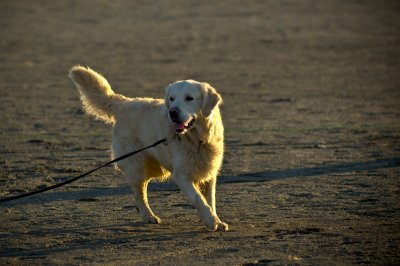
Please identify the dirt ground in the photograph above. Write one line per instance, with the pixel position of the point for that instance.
(311, 109)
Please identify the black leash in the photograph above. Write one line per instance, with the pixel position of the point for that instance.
(82, 175)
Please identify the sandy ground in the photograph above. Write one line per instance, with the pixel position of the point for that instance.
(312, 162)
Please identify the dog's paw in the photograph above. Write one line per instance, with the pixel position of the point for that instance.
(214, 224)
(211, 225)
(217, 225)
(222, 226)
(151, 220)
(209, 219)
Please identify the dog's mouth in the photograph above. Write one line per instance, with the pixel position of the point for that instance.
(182, 127)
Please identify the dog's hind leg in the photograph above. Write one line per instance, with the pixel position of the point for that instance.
(139, 188)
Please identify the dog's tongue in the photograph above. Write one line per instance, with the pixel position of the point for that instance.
(179, 126)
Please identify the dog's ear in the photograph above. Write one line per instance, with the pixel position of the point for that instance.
(210, 99)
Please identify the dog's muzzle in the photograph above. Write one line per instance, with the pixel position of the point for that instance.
(180, 127)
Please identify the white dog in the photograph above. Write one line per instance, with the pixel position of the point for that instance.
(189, 118)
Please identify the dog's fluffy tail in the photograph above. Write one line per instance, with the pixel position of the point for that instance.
(98, 99)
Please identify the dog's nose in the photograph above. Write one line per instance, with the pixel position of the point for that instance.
(174, 113)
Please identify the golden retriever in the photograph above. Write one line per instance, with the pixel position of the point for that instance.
(188, 117)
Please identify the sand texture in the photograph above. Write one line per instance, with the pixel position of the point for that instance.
(311, 90)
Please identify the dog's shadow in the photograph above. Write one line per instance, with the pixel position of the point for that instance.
(139, 236)
(93, 194)
(138, 231)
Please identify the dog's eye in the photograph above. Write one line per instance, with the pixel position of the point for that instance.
(188, 98)
(171, 99)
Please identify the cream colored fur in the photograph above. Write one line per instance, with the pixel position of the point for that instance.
(192, 158)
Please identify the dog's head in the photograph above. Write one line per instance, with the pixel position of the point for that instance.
(188, 101)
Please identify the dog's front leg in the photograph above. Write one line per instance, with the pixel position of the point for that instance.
(208, 191)
(207, 215)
